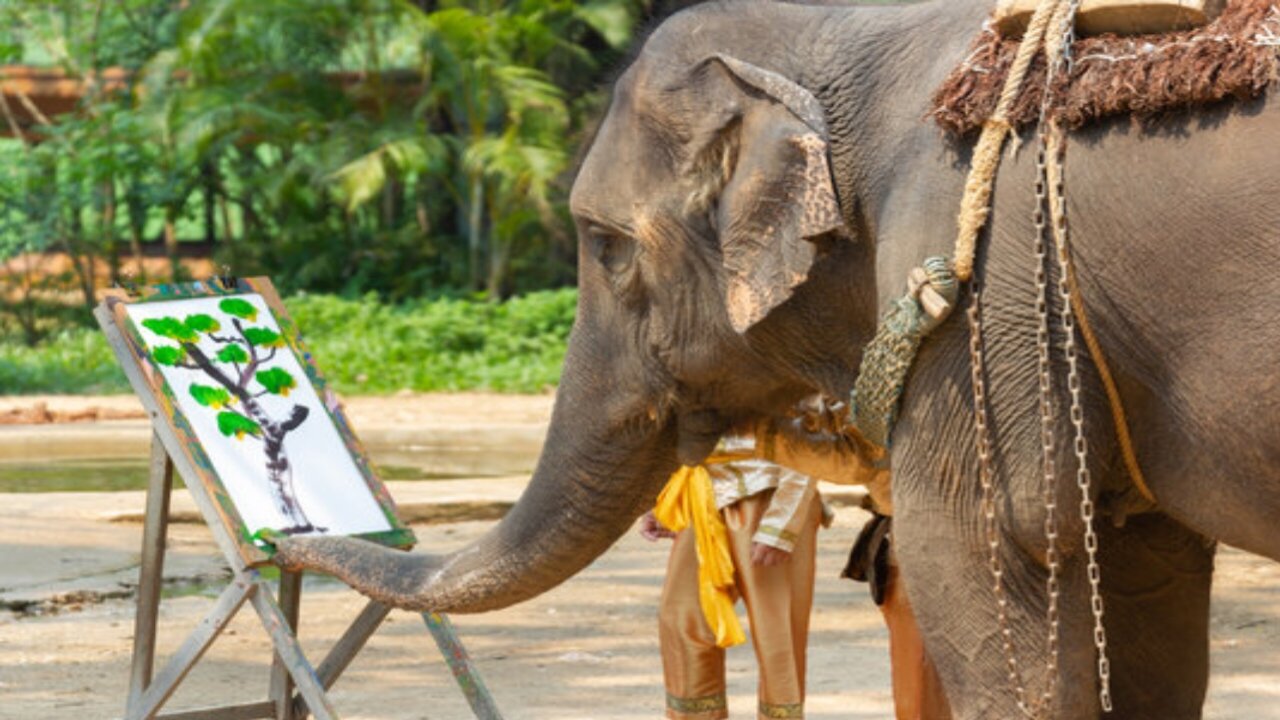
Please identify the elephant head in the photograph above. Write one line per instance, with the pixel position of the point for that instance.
(716, 285)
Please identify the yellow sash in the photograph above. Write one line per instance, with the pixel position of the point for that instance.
(688, 499)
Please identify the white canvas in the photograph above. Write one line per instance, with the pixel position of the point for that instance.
(328, 486)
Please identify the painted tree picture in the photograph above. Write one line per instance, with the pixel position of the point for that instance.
(238, 374)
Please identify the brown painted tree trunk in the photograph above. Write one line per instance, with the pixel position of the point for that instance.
(279, 471)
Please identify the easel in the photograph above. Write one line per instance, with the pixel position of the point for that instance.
(279, 615)
(297, 688)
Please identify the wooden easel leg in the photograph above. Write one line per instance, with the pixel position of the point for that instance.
(166, 682)
(150, 573)
(292, 657)
(464, 671)
(290, 599)
(345, 650)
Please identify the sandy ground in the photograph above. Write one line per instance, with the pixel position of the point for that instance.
(586, 650)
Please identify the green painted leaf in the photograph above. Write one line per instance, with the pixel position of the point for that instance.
(171, 328)
(277, 381)
(202, 323)
(233, 353)
(262, 337)
(242, 309)
(230, 423)
(213, 397)
(168, 355)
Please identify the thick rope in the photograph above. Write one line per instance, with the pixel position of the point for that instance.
(1054, 150)
(975, 206)
(931, 294)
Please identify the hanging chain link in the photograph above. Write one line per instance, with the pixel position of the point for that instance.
(1047, 428)
(1050, 195)
(1044, 373)
(987, 502)
(1084, 480)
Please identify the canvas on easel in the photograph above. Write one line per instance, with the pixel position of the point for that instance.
(242, 412)
(264, 435)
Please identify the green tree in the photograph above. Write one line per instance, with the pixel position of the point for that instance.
(348, 146)
(240, 368)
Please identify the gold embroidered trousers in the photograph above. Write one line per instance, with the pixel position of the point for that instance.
(778, 599)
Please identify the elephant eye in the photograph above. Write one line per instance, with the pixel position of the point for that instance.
(614, 251)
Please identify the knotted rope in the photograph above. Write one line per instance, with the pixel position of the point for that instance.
(890, 354)
(975, 206)
(931, 294)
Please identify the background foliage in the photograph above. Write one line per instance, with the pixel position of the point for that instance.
(363, 345)
(385, 150)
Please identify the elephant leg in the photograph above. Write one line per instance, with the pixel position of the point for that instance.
(1156, 578)
(944, 562)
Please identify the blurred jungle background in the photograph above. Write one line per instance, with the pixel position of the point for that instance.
(400, 169)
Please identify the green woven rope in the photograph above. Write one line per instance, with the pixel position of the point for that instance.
(889, 355)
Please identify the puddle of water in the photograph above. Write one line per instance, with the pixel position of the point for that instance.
(79, 475)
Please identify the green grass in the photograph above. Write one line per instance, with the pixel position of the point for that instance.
(362, 345)
(71, 361)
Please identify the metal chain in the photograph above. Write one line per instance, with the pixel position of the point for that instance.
(987, 503)
(1054, 200)
(1084, 480)
(1047, 428)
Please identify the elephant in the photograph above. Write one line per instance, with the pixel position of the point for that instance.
(762, 183)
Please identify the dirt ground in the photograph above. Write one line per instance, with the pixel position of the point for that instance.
(584, 651)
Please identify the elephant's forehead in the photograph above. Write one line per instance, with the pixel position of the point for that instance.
(627, 163)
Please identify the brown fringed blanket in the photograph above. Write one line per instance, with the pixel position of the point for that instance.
(1234, 57)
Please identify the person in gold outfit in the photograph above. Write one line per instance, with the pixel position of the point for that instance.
(771, 513)
(771, 516)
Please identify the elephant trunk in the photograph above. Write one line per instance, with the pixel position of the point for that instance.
(588, 488)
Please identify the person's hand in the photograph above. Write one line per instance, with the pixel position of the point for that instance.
(767, 555)
(652, 530)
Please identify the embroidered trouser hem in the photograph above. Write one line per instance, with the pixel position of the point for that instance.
(707, 707)
(789, 711)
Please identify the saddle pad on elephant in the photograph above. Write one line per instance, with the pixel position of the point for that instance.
(1123, 17)
(1234, 57)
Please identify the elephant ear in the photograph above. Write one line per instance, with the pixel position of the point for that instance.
(778, 196)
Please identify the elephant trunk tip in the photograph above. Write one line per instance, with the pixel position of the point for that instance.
(393, 577)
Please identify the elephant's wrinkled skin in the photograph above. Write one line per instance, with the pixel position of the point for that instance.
(715, 285)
